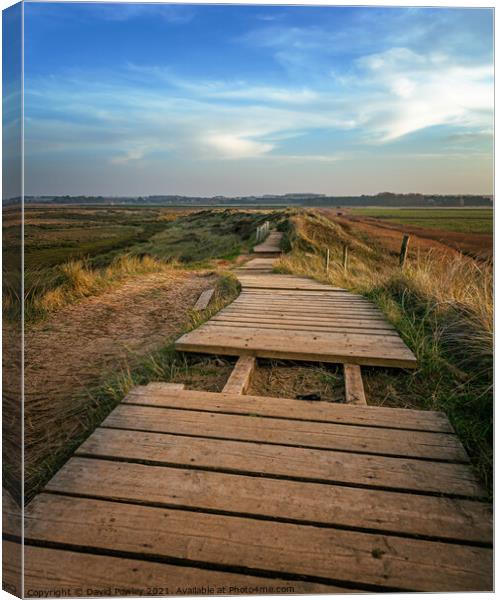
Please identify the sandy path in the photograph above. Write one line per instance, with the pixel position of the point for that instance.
(81, 344)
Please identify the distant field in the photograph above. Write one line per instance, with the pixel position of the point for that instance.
(462, 220)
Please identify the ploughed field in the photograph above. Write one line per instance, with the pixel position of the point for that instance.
(468, 230)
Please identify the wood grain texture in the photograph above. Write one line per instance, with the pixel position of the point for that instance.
(284, 461)
(48, 569)
(431, 516)
(299, 345)
(240, 377)
(287, 317)
(340, 556)
(321, 412)
(373, 440)
(354, 389)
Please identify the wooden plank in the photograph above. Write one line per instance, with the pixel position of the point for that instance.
(282, 317)
(329, 292)
(239, 380)
(321, 412)
(304, 322)
(308, 328)
(204, 299)
(357, 344)
(252, 282)
(389, 473)
(354, 390)
(299, 312)
(338, 556)
(12, 560)
(430, 516)
(373, 440)
(163, 386)
(332, 347)
(49, 569)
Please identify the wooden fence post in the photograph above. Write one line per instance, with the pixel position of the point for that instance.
(327, 260)
(404, 250)
(345, 255)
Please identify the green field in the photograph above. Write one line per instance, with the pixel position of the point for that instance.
(463, 220)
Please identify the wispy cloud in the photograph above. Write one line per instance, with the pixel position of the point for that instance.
(414, 83)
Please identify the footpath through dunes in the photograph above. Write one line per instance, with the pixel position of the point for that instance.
(182, 491)
(295, 318)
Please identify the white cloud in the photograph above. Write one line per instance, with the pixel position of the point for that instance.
(417, 91)
(228, 145)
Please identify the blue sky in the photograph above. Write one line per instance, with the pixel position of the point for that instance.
(203, 100)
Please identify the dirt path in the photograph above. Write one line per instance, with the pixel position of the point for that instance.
(82, 343)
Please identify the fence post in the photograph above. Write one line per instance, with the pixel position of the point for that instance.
(327, 260)
(345, 255)
(404, 250)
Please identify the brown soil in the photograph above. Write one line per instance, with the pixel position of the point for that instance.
(477, 245)
(82, 343)
(288, 379)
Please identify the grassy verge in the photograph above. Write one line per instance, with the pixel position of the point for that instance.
(62, 428)
(441, 305)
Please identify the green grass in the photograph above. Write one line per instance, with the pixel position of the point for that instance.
(463, 220)
(205, 235)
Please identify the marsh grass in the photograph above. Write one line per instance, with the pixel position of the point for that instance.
(442, 306)
(77, 279)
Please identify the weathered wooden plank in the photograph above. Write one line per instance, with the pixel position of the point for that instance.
(239, 380)
(305, 318)
(270, 244)
(204, 299)
(304, 322)
(282, 282)
(373, 440)
(354, 390)
(166, 386)
(335, 293)
(339, 556)
(357, 344)
(12, 560)
(332, 347)
(308, 328)
(429, 516)
(284, 461)
(322, 412)
(48, 569)
(291, 313)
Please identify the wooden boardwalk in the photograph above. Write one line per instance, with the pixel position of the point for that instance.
(183, 492)
(287, 317)
(182, 489)
(271, 245)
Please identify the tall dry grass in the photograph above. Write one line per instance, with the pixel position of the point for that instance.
(76, 279)
(441, 304)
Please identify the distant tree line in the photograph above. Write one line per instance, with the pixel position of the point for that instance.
(381, 199)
